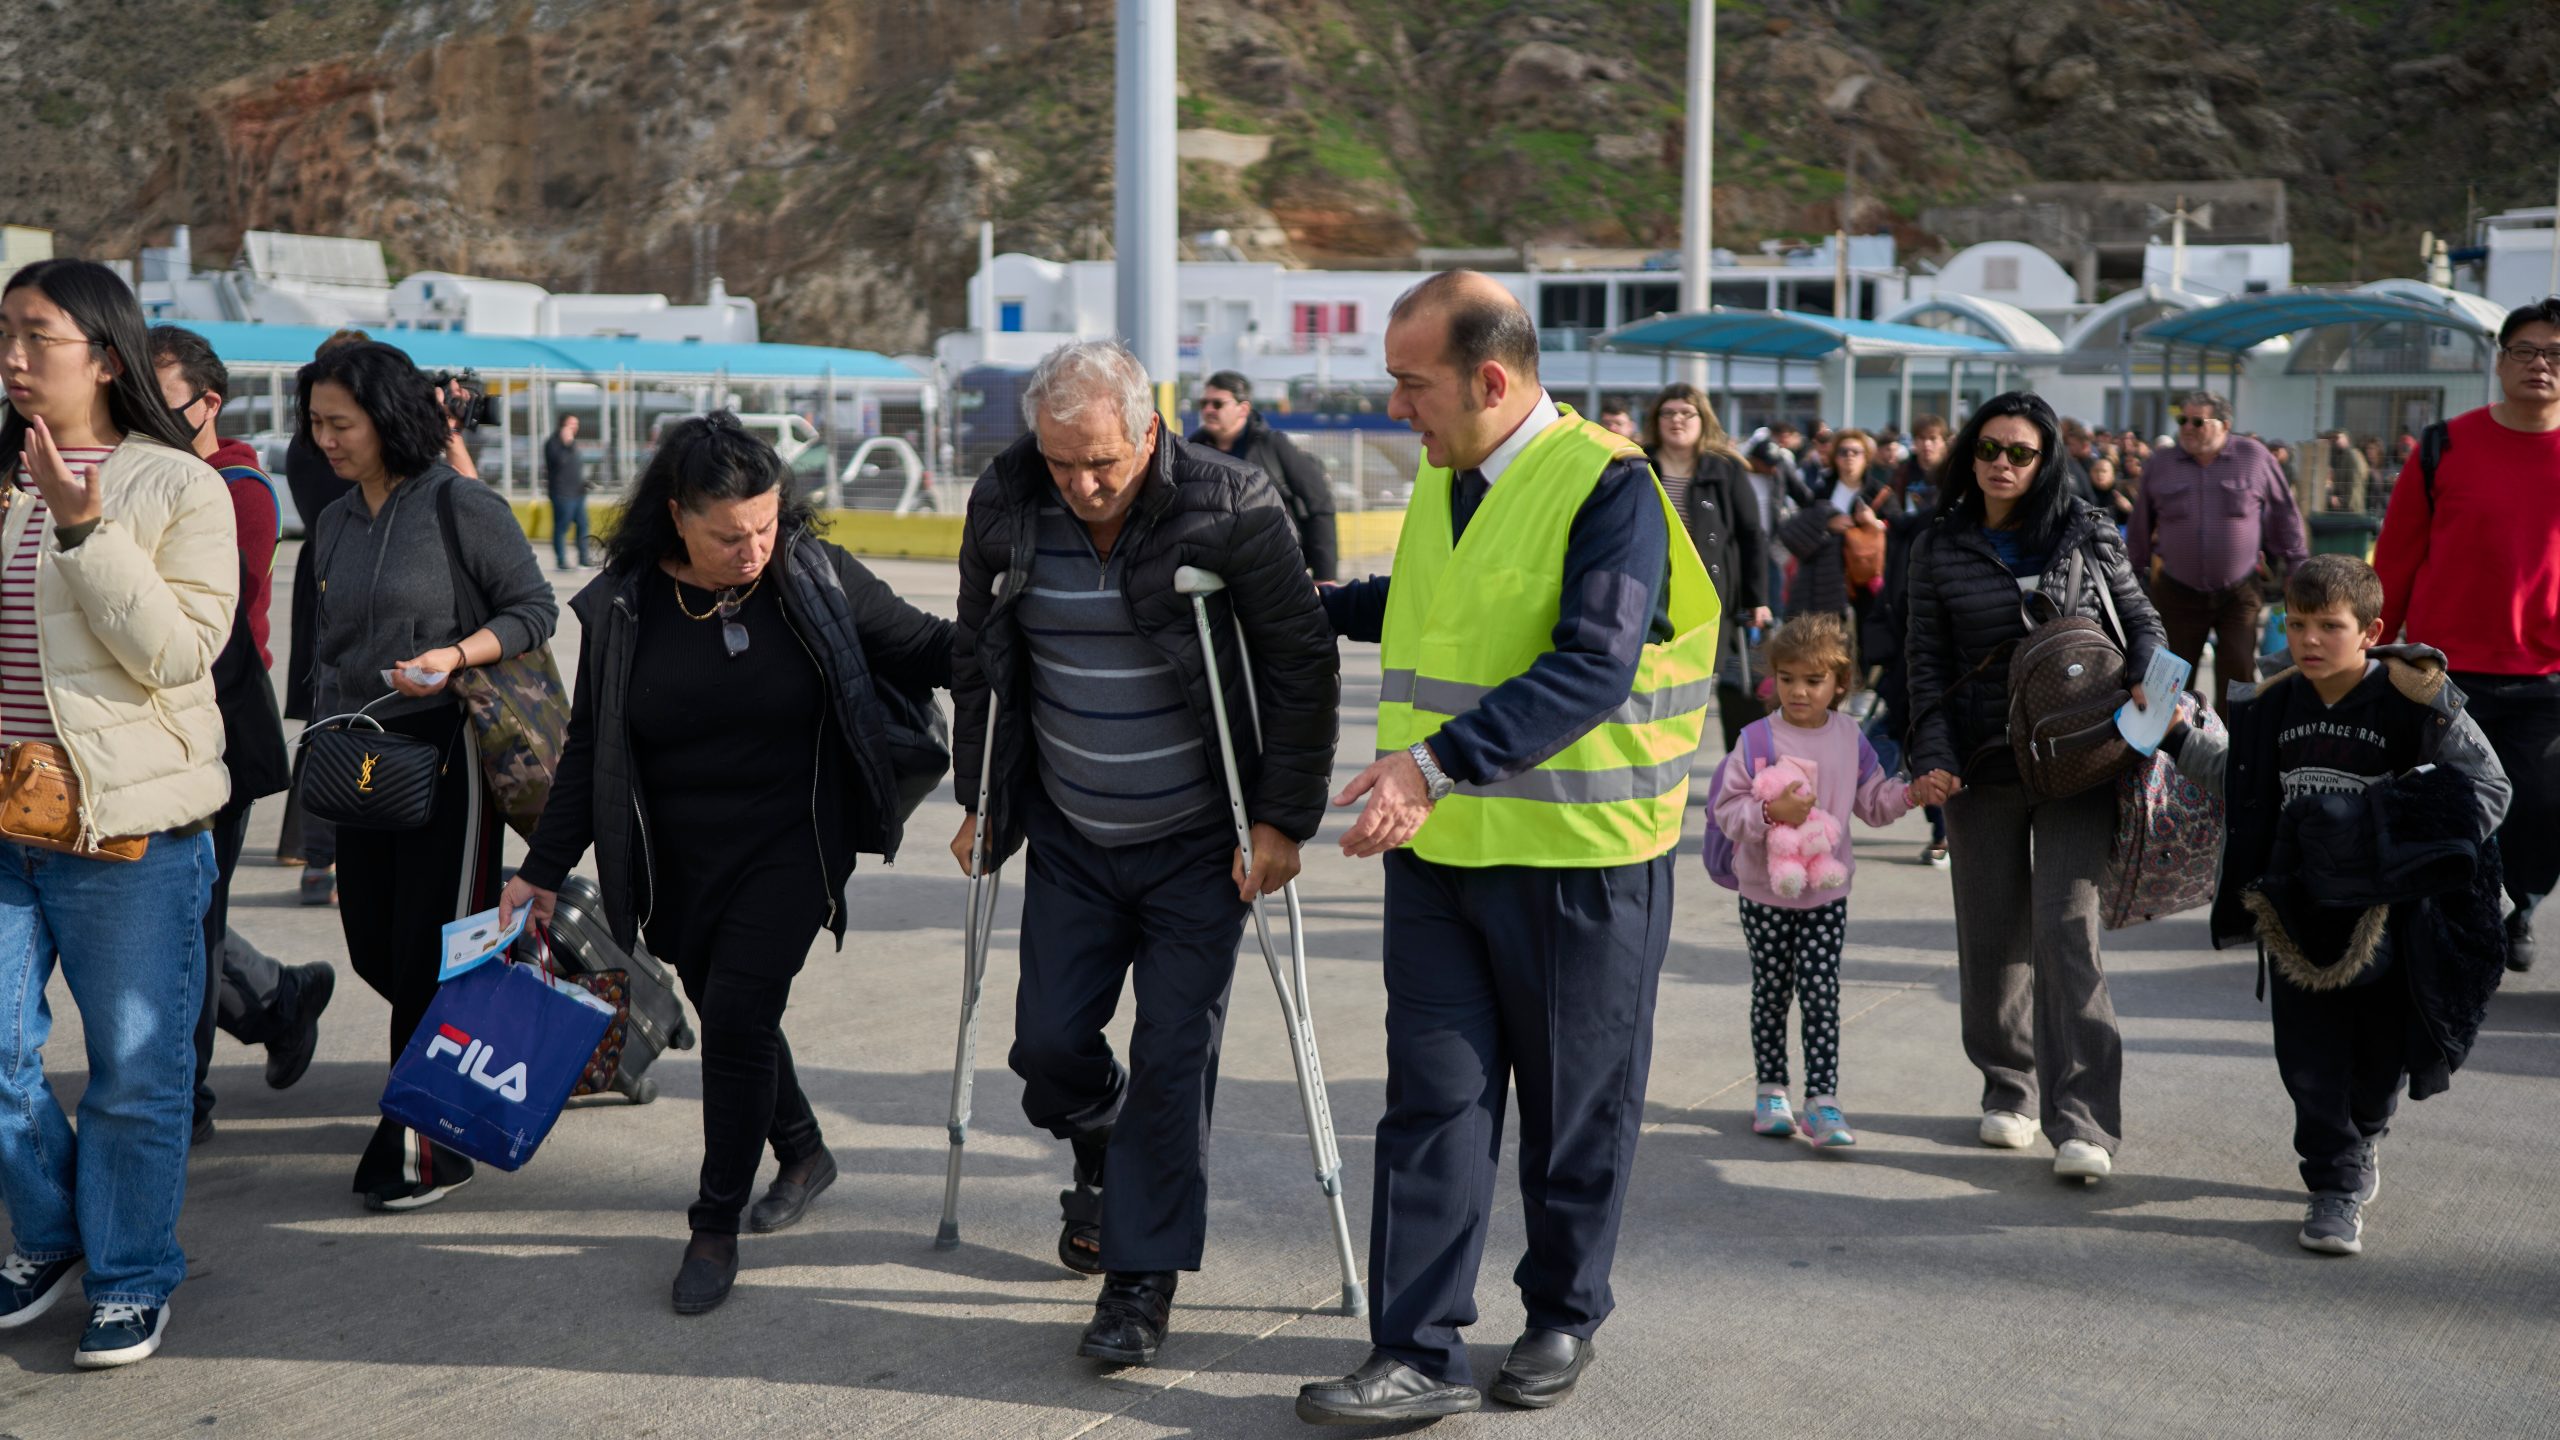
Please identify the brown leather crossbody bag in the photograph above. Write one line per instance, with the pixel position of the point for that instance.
(40, 804)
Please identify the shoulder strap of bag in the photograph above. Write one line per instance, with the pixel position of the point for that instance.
(2432, 445)
(466, 595)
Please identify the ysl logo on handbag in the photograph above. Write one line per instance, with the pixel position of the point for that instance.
(364, 774)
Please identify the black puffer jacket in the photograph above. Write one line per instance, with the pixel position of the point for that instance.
(1722, 516)
(851, 621)
(1196, 507)
(1964, 604)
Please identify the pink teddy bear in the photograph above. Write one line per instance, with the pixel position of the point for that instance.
(1801, 857)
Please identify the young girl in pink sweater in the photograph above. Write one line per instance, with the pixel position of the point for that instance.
(1795, 928)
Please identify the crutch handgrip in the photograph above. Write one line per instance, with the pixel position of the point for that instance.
(1192, 580)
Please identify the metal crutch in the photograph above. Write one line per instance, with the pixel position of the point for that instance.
(984, 884)
(1297, 1007)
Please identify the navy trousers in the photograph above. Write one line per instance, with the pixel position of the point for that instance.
(1544, 980)
(1091, 914)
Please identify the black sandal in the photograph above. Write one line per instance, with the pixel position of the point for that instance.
(1080, 1238)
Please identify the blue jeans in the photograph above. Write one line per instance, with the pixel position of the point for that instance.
(130, 938)
(568, 511)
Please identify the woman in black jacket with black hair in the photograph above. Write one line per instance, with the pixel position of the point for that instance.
(2033, 1002)
(728, 755)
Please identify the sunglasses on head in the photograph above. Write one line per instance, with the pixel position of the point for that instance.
(2018, 455)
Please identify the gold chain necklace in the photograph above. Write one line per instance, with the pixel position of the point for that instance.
(719, 607)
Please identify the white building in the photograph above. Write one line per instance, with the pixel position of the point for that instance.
(2217, 271)
(2518, 263)
(334, 281)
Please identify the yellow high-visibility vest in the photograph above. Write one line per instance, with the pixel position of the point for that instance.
(1463, 619)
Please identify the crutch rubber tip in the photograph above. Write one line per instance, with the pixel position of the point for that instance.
(1355, 1301)
(948, 1237)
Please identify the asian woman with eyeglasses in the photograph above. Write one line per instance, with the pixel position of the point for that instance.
(2036, 1018)
(119, 573)
(726, 760)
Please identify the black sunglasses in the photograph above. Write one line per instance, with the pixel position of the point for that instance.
(2019, 455)
(2195, 422)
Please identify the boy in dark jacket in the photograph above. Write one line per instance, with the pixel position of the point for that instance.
(2361, 799)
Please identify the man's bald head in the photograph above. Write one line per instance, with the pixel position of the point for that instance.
(1485, 322)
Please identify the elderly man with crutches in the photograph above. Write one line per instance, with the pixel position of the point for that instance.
(1107, 760)
(1548, 648)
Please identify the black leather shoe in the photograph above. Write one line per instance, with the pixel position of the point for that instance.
(1543, 1367)
(702, 1284)
(785, 1202)
(1383, 1389)
(1129, 1320)
(290, 1055)
(2520, 941)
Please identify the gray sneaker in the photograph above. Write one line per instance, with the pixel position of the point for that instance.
(2334, 1225)
(2371, 1154)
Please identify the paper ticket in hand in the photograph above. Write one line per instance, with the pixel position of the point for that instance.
(2145, 729)
(475, 940)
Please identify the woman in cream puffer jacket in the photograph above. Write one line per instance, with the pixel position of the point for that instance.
(132, 618)
(119, 569)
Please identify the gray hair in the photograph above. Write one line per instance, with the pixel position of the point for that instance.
(2194, 398)
(1083, 373)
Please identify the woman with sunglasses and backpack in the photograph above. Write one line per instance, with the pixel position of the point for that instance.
(394, 558)
(2033, 1002)
(119, 573)
(732, 747)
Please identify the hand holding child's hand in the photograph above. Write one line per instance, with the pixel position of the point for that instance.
(1792, 808)
(1935, 788)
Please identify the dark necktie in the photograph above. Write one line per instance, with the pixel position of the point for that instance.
(1464, 500)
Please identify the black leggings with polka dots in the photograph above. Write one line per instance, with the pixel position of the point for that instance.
(1795, 956)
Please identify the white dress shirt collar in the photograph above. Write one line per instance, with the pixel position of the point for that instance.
(1542, 415)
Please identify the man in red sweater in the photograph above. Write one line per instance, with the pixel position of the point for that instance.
(257, 1000)
(2470, 564)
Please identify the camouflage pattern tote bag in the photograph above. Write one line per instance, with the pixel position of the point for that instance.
(518, 708)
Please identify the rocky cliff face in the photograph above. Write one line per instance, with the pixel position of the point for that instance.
(833, 157)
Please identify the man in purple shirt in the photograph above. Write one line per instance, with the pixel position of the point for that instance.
(2207, 512)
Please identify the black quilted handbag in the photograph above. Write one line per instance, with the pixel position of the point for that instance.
(356, 773)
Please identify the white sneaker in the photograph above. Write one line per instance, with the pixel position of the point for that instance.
(2008, 1130)
(2080, 1160)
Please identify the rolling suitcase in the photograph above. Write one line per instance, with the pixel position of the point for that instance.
(649, 1014)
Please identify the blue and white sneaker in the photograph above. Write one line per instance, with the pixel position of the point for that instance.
(1828, 1128)
(120, 1334)
(28, 1288)
(1771, 1116)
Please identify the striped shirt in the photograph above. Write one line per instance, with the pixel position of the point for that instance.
(24, 712)
(1121, 754)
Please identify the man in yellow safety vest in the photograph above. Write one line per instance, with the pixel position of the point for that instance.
(1548, 647)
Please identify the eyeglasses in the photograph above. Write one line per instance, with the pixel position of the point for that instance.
(2021, 456)
(2525, 355)
(36, 341)
(1208, 405)
(2197, 422)
(1675, 412)
(733, 637)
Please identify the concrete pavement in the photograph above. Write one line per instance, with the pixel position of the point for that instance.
(1919, 1285)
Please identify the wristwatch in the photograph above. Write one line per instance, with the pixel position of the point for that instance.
(1435, 780)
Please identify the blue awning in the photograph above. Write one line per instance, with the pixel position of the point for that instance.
(2246, 321)
(1789, 335)
(563, 356)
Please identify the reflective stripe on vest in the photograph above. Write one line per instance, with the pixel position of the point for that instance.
(1614, 794)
